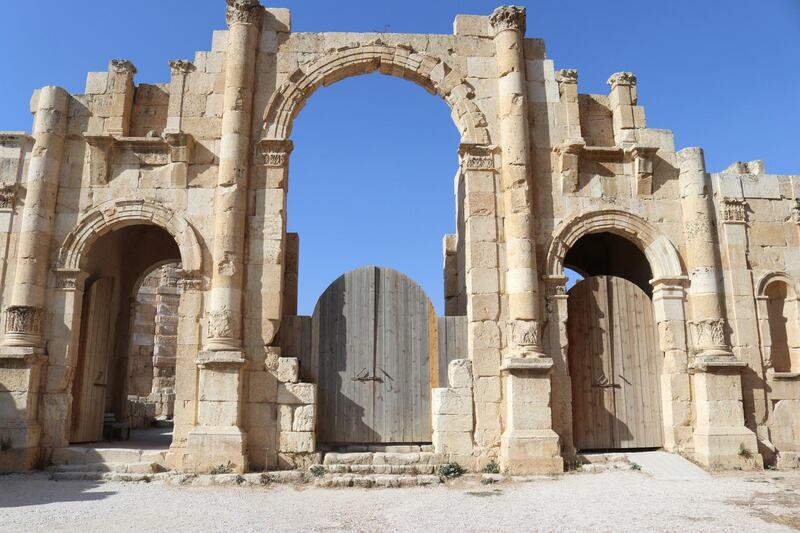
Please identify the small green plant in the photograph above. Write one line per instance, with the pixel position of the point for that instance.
(222, 469)
(744, 451)
(5, 444)
(317, 470)
(451, 470)
(635, 466)
(488, 481)
(491, 468)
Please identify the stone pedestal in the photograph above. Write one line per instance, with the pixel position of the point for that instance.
(529, 445)
(720, 438)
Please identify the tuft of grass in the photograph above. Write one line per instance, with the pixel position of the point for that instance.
(222, 469)
(491, 468)
(635, 466)
(317, 470)
(451, 470)
(744, 452)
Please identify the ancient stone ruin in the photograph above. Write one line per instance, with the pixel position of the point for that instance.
(683, 335)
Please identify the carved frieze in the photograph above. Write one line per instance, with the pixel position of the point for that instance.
(508, 18)
(24, 319)
(70, 280)
(734, 211)
(244, 12)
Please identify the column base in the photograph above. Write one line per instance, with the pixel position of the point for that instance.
(209, 447)
(533, 451)
(727, 447)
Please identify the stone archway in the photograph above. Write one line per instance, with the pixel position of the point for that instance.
(431, 73)
(669, 296)
(71, 274)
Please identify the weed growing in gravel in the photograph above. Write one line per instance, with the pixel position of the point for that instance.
(222, 469)
(744, 451)
(451, 470)
(317, 470)
(636, 466)
(491, 468)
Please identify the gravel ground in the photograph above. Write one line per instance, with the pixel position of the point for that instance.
(609, 501)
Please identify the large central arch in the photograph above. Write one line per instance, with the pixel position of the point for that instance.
(431, 73)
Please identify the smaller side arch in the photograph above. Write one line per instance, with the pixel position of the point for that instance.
(771, 277)
(659, 250)
(116, 214)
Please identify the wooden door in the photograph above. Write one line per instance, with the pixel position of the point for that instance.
(615, 366)
(373, 336)
(91, 381)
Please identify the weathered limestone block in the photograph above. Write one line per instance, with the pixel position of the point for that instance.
(452, 401)
(459, 374)
(297, 393)
(288, 370)
(296, 441)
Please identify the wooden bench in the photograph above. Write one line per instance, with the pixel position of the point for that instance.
(112, 428)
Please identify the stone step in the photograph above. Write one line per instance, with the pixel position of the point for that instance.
(386, 448)
(120, 468)
(75, 455)
(383, 458)
(368, 481)
(382, 469)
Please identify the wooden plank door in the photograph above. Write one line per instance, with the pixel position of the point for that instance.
(614, 365)
(89, 388)
(373, 332)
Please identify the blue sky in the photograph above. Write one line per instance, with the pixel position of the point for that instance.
(372, 172)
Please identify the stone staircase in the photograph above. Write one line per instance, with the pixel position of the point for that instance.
(115, 464)
(396, 467)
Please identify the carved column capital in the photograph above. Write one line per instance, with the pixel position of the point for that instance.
(477, 156)
(567, 75)
(622, 78)
(122, 66)
(24, 320)
(508, 18)
(275, 152)
(524, 334)
(244, 12)
(180, 66)
(708, 335)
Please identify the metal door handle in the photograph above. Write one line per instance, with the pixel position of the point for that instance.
(610, 386)
(364, 376)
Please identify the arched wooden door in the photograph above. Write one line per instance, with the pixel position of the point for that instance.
(374, 338)
(615, 366)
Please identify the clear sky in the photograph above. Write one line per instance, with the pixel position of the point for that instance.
(372, 173)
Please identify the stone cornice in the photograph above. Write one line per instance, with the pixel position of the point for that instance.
(567, 75)
(508, 18)
(122, 66)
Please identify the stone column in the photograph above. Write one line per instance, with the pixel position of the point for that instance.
(218, 437)
(720, 436)
(521, 275)
(22, 353)
(528, 443)
(24, 314)
(121, 91)
(707, 320)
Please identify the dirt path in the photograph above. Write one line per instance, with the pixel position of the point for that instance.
(610, 501)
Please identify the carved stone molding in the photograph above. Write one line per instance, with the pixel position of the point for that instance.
(15, 139)
(69, 279)
(122, 66)
(523, 333)
(734, 211)
(569, 154)
(275, 152)
(508, 18)
(567, 75)
(8, 193)
(24, 319)
(643, 168)
(622, 78)
(476, 156)
(189, 281)
(180, 66)
(244, 12)
(180, 146)
(708, 333)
